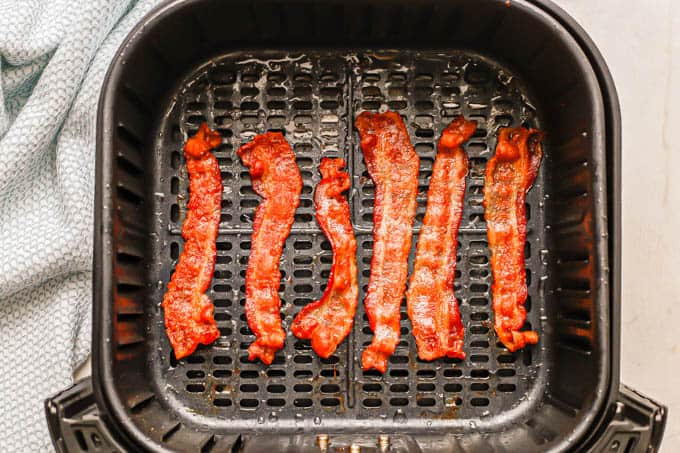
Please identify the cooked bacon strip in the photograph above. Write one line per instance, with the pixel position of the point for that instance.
(276, 178)
(328, 320)
(509, 176)
(188, 311)
(432, 305)
(393, 165)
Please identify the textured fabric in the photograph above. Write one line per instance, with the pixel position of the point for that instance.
(53, 57)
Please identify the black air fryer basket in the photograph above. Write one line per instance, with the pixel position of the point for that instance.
(307, 68)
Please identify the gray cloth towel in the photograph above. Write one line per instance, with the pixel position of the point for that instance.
(53, 57)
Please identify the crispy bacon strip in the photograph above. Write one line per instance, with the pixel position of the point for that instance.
(393, 165)
(276, 178)
(188, 311)
(509, 176)
(432, 305)
(328, 320)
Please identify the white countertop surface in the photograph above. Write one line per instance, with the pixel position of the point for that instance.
(640, 40)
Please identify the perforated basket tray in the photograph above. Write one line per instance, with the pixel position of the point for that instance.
(312, 97)
(307, 68)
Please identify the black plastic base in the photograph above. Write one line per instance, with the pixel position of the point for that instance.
(636, 426)
(74, 422)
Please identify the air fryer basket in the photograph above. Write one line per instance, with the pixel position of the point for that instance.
(307, 68)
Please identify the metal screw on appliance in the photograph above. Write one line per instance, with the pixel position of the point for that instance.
(354, 448)
(384, 441)
(322, 441)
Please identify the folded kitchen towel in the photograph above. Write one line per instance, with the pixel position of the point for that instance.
(53, 57)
